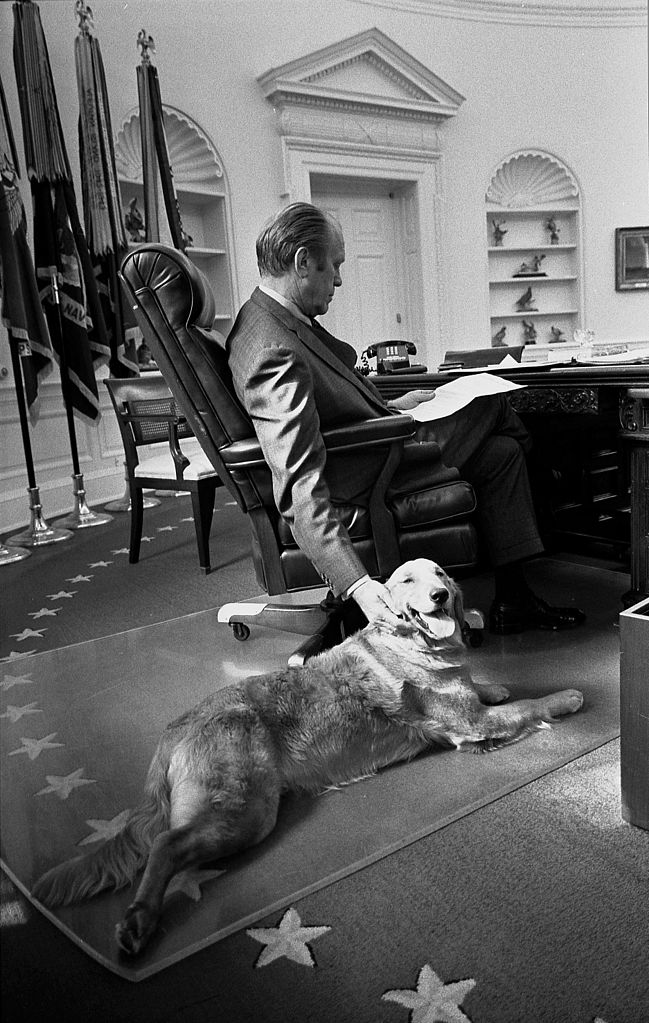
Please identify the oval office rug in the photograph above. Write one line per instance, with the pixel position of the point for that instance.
(80, 723)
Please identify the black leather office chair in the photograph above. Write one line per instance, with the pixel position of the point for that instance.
(174, 307)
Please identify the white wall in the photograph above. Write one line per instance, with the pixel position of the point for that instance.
(578, 91)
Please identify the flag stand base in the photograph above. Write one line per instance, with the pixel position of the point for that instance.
(123, 504)
(38, 533)
(9, 556)
(82, 517)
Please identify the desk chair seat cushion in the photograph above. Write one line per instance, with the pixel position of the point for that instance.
(161, 464)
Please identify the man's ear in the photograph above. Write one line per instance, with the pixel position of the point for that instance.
(301, 261)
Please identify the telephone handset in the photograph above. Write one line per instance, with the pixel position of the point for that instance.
(393, 357)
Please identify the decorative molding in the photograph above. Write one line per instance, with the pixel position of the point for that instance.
(192, 156)
(584, 400)
(554, 13)
(531, 178)
(366, 74)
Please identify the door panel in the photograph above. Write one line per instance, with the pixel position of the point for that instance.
(370, 306)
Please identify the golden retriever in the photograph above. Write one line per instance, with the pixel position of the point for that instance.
(383, 695)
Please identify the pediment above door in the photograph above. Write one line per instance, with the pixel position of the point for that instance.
(367, 73)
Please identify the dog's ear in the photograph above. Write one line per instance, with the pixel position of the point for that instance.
(458, 605)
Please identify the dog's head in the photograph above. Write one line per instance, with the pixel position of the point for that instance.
(428, 599)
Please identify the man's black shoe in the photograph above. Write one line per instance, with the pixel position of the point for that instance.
(531, 613)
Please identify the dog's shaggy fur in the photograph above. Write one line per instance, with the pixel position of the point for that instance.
(215, 782)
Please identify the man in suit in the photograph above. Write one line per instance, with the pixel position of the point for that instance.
(295, 379)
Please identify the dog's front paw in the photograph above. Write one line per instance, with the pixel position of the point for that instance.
(133, 932)
(568, 701)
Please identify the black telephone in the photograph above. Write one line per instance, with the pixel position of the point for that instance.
(393, 357)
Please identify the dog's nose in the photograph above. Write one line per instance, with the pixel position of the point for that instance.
(440, 596)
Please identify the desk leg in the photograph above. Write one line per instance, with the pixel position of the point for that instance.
(635, 431)
(634, 715)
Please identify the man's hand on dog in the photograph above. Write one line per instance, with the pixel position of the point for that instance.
(373, 598)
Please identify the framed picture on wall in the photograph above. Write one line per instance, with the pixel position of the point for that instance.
(631, 258)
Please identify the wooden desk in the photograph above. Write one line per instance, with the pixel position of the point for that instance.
(590, 469)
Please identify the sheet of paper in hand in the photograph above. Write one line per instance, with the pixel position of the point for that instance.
(456, 394)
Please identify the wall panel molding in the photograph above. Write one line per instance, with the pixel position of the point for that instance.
(561, 13)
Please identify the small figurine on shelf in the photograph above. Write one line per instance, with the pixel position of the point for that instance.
(552, 227)
(556, 336)
(524, 303)
(134, 222)
(531, 269)
(529, 332)
(498, 340)
(499, 231)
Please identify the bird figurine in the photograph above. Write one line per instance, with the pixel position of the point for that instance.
(524, 303)
(134, 222)
(498, 340)
(557, 336)
(529, 332)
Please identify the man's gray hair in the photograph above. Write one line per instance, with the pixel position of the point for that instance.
(297, 225)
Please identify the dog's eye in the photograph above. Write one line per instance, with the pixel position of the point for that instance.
(408, 579)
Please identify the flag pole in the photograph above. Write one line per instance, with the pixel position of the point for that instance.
(38, 533)
(82, 516)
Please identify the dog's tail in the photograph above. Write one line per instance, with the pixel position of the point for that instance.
(116, 863)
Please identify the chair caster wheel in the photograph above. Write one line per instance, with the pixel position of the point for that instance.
(241, 631)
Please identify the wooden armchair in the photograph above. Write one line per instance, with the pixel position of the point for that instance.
(147, 415)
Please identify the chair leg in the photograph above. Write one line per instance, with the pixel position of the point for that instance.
(137, 505)
(203, 509)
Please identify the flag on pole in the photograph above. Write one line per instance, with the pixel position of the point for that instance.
(77, 328)
(102, 205)
(22, 314)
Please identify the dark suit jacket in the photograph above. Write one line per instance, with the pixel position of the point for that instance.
(294, 383)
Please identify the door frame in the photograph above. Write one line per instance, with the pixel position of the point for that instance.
(404, 167)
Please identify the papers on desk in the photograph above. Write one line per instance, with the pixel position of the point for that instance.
(457, 394)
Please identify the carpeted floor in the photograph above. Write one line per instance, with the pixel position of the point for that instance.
(530, 907)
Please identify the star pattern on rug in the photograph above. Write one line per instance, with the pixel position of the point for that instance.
(34, 747)
(190, 882)
(16, 655)
(79, 579)
(45, 612)
(9, 681)
(103, 830)
(147, 539)
(61, 594)
(100, 564)
(433, 1001)
(14, 714)
(63, 786)
(166, 529)
(289, 939)
(121, 550)
(20, 637)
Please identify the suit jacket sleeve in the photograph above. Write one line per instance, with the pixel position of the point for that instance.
(275, 384)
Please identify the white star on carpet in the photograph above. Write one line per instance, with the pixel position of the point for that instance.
(147, 539)
(122, 550)
(15, 655)
(166, 529)
(433, 1001)
(45, 612)
(79, 579)
(190, 518)
(61, 593)
(189, 882)
(34, 747)
(103, 830)
(100, 564)
(28, 634)
(16, 713)
(62, 786)
(9, 681)
(288, 939)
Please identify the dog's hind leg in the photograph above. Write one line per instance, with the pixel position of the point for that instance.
(200, 832)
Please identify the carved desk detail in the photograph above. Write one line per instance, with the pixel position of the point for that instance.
(556, 399)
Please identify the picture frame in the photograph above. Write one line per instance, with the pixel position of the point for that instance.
(631, 258)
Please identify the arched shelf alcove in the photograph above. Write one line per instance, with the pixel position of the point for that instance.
(203, 199)
(534, 246)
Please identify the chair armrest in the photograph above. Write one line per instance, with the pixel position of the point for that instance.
(247, 454)
(369, 432)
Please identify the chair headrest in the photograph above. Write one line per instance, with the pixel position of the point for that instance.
(187, 292)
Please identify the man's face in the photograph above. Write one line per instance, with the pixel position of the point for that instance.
(323, 276)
